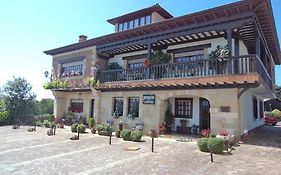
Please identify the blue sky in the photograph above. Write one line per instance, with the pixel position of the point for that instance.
(29, 27)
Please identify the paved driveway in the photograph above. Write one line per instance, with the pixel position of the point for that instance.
(23, 153)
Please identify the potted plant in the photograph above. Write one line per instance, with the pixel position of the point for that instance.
(60, 122)
(162, 129)
(219, 59)
(183, 122)
(226, 136)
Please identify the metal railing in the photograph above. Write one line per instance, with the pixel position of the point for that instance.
(201, 68)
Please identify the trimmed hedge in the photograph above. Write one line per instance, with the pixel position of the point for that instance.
(216, 145)
(74, 127)
(81, 128)
(125, 134)
(203, 144)
(135, 136)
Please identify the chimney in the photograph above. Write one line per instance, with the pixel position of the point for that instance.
(82, 38)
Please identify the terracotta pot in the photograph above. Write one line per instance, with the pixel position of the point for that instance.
(61, 125)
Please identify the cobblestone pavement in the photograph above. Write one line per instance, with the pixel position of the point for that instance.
(27, 153)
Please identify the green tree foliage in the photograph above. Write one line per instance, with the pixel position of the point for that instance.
(159, 57)
(3, 113)
(45, 106)
(19, 100)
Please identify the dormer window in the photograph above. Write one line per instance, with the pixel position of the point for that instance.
(134, 23)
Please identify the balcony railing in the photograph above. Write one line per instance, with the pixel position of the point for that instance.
(201, 68)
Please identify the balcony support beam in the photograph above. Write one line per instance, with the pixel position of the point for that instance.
(149, 51)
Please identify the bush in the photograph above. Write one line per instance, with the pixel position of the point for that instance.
(104, 127)
(38, 123)
(52, 125)
(51, 118)
(117, 133)
(74, 127)
(135, 136)
(81, 128)
(4, 118)
(277, 114)
(91, 122)
(125, 134)
(203, 144)
(216, 145)
(47, 124)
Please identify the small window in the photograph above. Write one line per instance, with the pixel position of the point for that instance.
(125, 26)
(71, 70)
(136, 22)
(148, 19)
(255, 107)
(142, 21)
(131, 24)
(133, 106)
(183, 107)
(76, 107)
(118, 106)
(120, 27)
(261, 109)
(135, 65)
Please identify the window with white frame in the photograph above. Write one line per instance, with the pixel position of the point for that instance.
(72, 69)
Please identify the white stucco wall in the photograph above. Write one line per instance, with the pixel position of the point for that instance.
(246, 107)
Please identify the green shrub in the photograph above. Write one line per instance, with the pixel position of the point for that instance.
(4, 118)
(125, 134)
(74, 127)
(51, 118)
(38, 123)
(104, 127)
(203, 144)
(47, 124)
(81, 128)
(117, 133)
(91, 122)
(216, 145)
(277, 113)
(135, 136)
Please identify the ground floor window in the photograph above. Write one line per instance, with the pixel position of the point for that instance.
(118, 106)
(255, 107)
(261, 108)
(76, 106)
(183, 107)
(133, 106)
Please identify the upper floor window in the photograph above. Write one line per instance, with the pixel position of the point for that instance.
(72, 69)
(134, 23)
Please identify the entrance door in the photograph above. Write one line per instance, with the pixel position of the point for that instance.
(92, 107)
(204, 107)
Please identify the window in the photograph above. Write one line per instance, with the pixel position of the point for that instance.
(133, 106)
(135, 65)
(142, 21)
(72, 69)
(255, 107)
(189, 58)
(118, 106)
(183, 107)
(131, 24)
(148, 19)
(125, 26)
(261, 108)
(136, 22)
(120, 27)
(76, 106)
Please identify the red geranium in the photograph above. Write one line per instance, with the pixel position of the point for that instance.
(205, 132)
(146, 62)
(224, 133)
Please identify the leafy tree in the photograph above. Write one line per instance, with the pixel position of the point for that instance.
(19, 99)
(45, 106)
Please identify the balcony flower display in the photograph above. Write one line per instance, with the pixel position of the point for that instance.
(94, 70)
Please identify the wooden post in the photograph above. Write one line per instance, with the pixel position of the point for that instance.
(55, 130)
(152, 144)
(78, 132)
(212, 160)
(110, 135)
(149, 51)
(229, 45)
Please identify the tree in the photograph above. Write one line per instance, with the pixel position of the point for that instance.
(45, 106)
(19, 100)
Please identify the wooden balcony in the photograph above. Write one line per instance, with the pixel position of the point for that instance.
(247, 69)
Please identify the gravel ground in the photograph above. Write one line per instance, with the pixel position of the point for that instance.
(23, 153)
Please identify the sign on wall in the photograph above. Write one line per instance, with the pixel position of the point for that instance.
(148, 99)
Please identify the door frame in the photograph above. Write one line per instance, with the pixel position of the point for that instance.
(201, 100)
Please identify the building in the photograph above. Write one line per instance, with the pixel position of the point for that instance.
(221, 89)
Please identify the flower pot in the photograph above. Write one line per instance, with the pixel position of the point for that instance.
(93, 130)
(183, 123)
(61, 125)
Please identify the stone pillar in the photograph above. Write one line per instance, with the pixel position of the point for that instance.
(59, 105)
